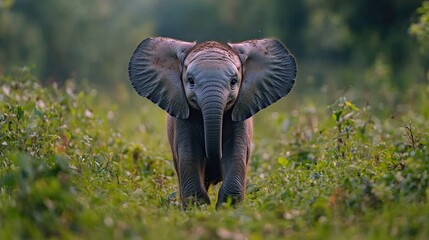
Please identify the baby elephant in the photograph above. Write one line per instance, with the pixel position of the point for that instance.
(210, 92)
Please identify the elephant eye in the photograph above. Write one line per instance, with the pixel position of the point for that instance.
(233, 83)
(191, 81)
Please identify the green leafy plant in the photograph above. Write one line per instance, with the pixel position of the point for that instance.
(75, 165)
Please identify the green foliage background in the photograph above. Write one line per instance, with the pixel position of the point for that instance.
(332, 40)
(344, 156)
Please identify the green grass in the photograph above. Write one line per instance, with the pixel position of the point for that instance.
(81, 164)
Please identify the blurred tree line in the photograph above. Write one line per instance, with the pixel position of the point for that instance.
(366, 42)
(420, 29)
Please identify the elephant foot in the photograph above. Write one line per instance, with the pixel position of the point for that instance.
(195, 200)
(229, 199)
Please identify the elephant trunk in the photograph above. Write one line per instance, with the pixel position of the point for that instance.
(213, 105)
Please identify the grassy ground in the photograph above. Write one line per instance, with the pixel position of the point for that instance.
(77, 164)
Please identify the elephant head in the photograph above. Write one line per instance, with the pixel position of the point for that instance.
(212, 78)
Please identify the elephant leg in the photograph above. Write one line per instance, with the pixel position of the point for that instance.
(234, 183)
(190, 166)
(237, 148)
(192, 187)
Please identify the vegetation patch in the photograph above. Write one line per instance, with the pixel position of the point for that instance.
(74, 165)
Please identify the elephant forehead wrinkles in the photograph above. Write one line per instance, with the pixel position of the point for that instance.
(212, 46)
(215, 55)
(213, 51)
(213, 67)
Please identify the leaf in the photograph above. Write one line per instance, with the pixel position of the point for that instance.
(172, 196)
(38, 112)
(67, 134)
(336, 115)
(282, 161)
(19, 113)
(352, 106)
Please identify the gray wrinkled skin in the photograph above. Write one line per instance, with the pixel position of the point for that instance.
(211, 91)
(196, 172)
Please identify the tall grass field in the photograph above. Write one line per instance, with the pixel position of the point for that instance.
(80, 163)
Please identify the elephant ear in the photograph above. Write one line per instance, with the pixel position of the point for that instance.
(269, 72)
(155, 70)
